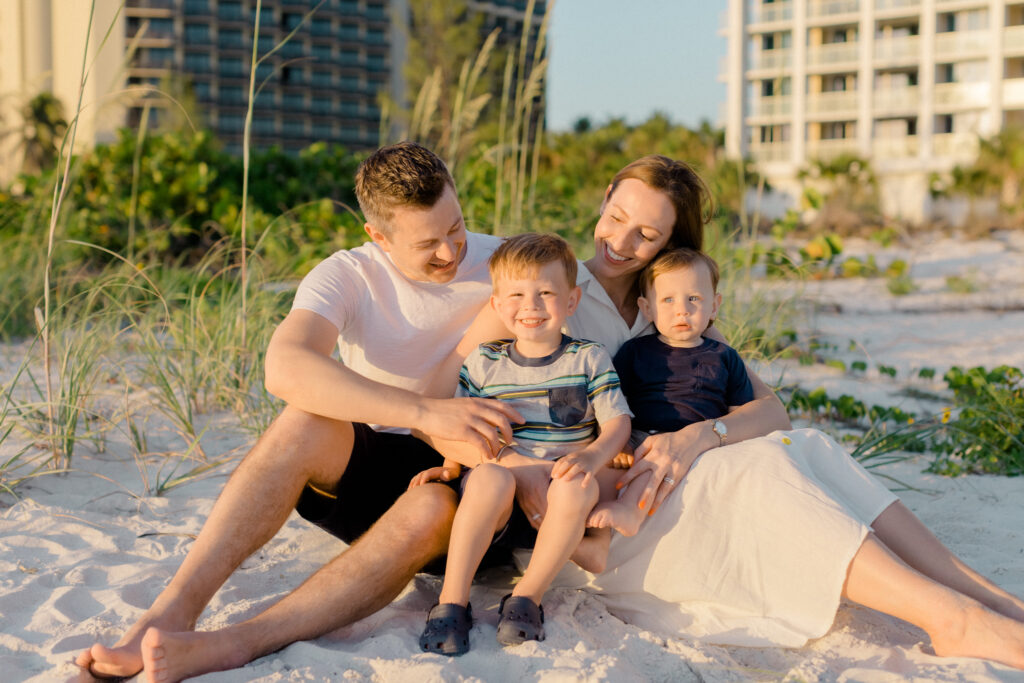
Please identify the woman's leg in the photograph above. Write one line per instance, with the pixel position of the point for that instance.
(958, 626)
(559, 534)
(903, 533)
(484, 509)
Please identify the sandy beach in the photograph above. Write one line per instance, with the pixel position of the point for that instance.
(84, 553)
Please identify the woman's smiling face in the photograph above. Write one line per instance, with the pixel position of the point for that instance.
(636, 223)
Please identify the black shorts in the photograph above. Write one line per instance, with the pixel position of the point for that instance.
(378, 472)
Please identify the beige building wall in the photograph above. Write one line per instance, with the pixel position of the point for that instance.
(42, 45)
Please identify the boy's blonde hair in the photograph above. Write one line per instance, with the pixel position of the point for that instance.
(675, 259)
(526, 254)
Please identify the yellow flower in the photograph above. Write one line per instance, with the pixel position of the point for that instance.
(945, 415)
(786, 440)
(910, 420)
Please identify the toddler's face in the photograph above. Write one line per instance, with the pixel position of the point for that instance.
(681, 304)
(534, 307)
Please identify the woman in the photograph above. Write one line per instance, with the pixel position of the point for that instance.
(757, 543)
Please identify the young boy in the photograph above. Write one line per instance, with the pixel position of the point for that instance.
(675, 377)
(565, 389)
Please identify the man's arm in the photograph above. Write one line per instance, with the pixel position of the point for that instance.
(300, 370)
(484, 328)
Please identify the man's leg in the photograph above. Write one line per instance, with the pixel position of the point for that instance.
(261, 493)
(357, 583)
(958, 625)
(903, 533)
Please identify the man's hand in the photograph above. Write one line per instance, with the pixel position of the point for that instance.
(476, 421)
(446, 472)
(668, 457)
(582, 462)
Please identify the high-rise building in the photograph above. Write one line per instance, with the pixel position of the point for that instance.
(909, 85)
(322, 84)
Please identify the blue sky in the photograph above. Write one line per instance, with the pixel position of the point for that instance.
(614, 58)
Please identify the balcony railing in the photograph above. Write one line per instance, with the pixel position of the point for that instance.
(768, 152)
(960, 147)
(910, 5)
(904, 49)
(895, 148)
(1013, 39)
(1013, 93)
(778, 105)
(962, 95)
(833, 103)
(828, 8)
(773, 11)
(827, 149)
(832, 54)
(773, 59)
(896, 100)
(956, 43)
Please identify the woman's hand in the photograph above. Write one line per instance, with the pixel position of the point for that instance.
(447, 472)
(668, 457)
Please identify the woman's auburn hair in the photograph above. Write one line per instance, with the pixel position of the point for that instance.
(687, 192)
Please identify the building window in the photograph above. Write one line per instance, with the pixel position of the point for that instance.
(943, 124)
(230, 38)
(231, 94)
(231, 67)
(197, 33)
(227, 9)
(197, 62)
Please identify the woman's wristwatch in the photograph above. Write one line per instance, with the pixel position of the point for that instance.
(718, 427)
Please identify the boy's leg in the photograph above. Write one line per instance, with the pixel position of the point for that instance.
(560, 533)
(484, 509)
(621, 512)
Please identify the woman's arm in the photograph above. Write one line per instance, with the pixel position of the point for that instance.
(669, 456)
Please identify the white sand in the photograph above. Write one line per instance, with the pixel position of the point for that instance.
(82, 555)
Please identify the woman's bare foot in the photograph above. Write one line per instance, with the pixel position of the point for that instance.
(169, 657)
(618, 515)
(980, 632)
(124, 659)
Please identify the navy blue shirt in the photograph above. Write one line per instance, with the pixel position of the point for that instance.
(669, 387)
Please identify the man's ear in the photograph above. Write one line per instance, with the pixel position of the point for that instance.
(574, 299)
(377, 236)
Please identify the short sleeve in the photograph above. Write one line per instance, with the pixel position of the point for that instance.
(739, 390)
(603, 388)
(333, 289)
(469, 376)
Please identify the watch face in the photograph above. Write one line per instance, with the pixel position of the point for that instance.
(719, 428)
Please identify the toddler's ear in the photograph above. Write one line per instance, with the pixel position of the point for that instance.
(645, 307)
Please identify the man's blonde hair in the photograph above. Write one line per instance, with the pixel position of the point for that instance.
(525, 254)
(675, 259)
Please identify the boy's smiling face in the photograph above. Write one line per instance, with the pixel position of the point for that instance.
(534, 307)
(681, 303)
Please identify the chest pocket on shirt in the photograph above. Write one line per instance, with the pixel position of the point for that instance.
(567, 405)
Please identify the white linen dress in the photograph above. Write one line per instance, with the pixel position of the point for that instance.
(753, 547)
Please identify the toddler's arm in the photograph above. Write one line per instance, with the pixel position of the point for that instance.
(448, 471)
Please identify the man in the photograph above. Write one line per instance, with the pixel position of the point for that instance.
(397, 308)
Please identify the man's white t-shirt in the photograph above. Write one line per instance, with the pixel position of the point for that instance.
(392, 329)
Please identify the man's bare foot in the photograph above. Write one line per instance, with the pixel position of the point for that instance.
(169, 657)
(981, 633)
(124, 659)
(623, 517)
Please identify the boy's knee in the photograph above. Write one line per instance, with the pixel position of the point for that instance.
(491, 480)
(573, 493)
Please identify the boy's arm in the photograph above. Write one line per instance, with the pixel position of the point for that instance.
(300, 370)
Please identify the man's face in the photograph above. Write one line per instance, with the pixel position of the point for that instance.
(426, 245)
